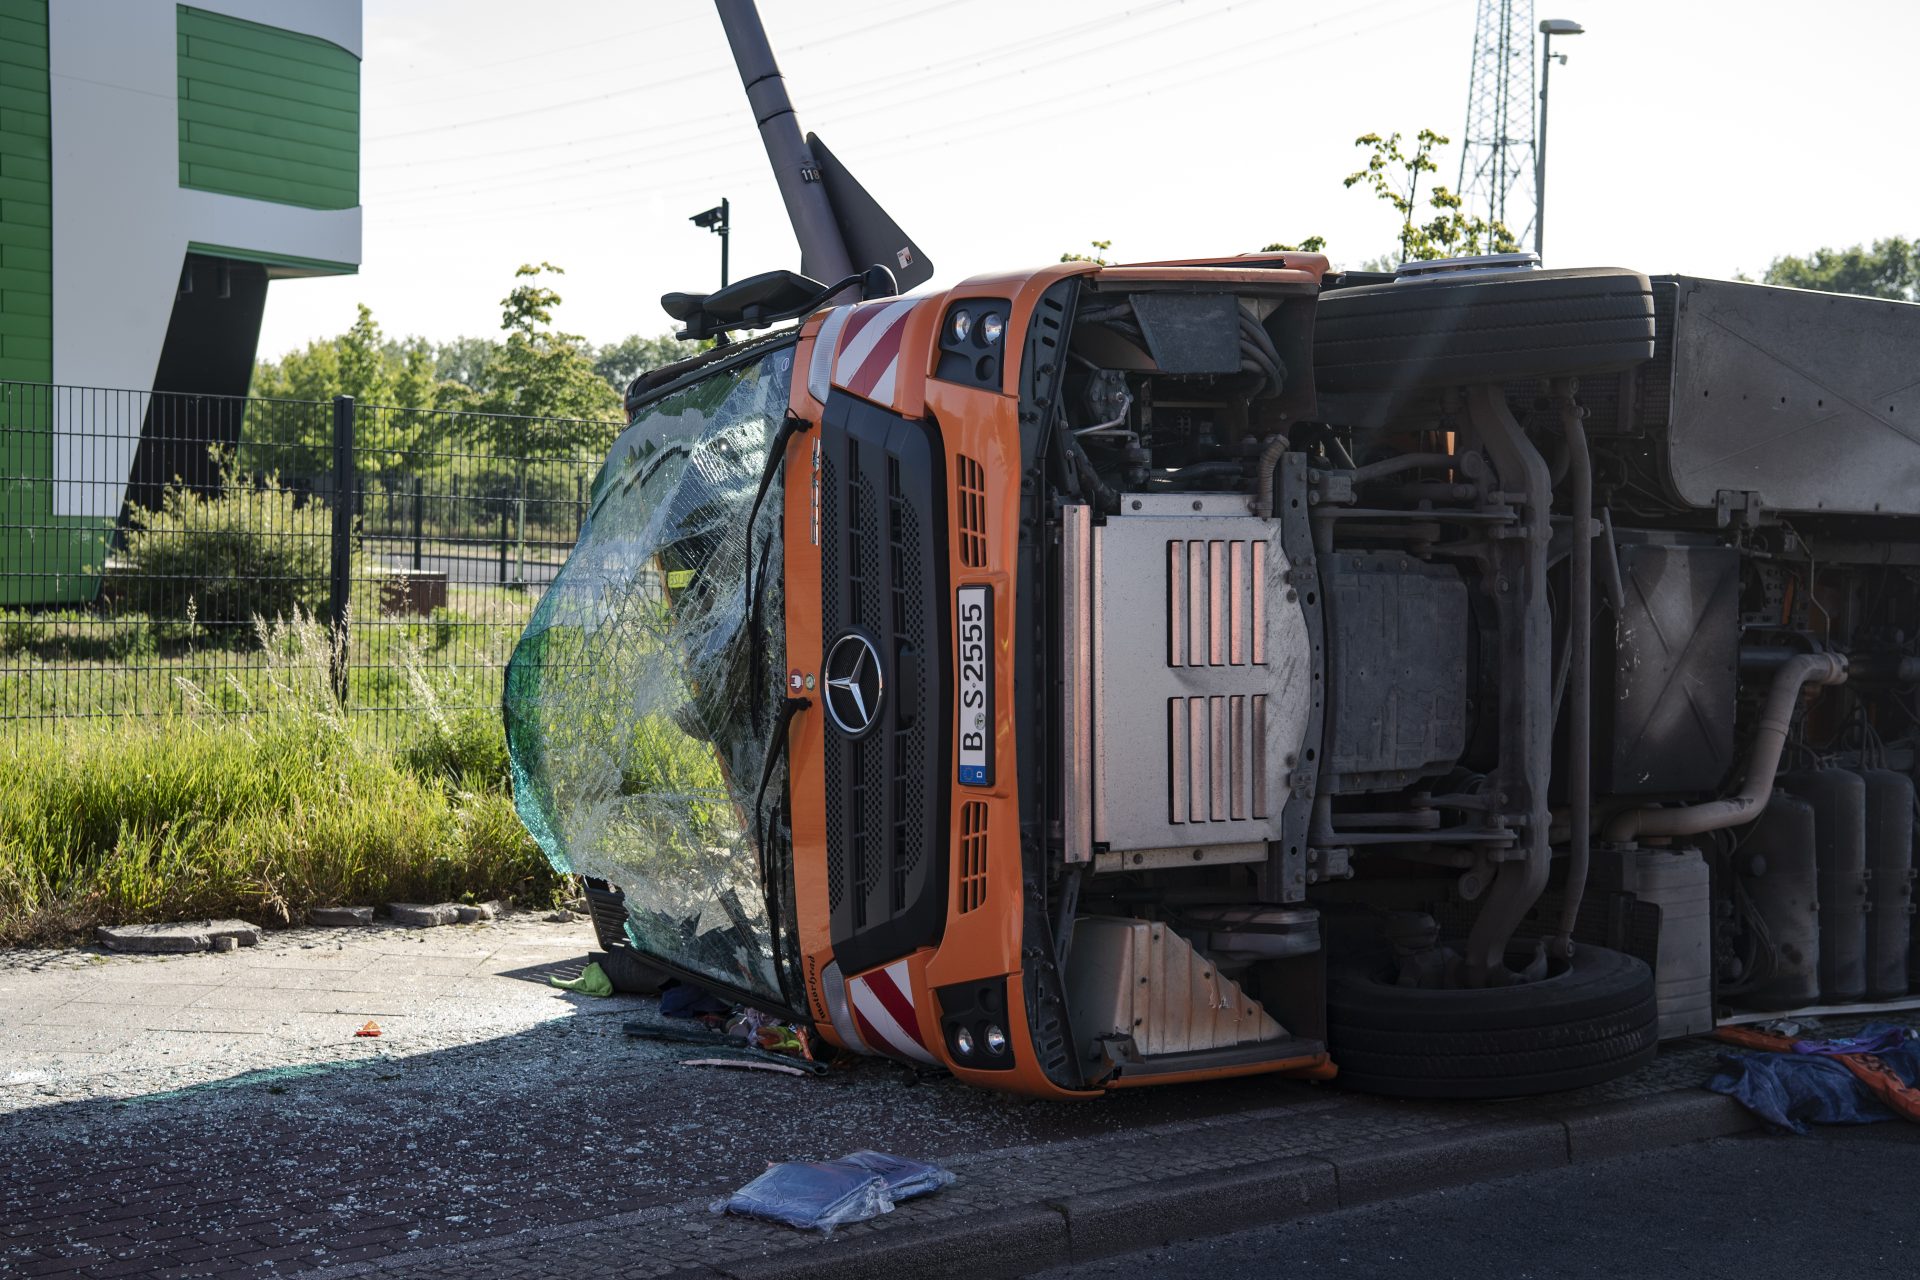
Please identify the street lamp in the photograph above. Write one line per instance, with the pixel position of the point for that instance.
(717, 220)
(1549, 27)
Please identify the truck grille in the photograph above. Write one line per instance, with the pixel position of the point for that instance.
(880, 554)
(973, 855)
(970, 512)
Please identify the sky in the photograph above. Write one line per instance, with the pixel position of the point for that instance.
(1698, 136)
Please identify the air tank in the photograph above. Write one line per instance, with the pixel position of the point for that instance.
(1839, 800)
(1775, 866)
(1889, 844)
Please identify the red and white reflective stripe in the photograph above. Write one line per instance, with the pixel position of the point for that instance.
(883, 1008)
(869, 358)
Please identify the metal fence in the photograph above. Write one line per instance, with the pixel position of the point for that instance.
(156, 550)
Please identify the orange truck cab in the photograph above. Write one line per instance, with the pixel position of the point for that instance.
(1458, 678)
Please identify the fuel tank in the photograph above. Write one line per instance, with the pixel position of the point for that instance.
(1839, 800)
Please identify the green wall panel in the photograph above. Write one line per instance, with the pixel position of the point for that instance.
(26, 196)
(44, 558)
(267, 114)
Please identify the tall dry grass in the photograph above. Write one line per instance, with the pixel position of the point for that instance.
(260, 815)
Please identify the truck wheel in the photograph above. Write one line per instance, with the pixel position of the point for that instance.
(1446, 330)
(1589, 1020)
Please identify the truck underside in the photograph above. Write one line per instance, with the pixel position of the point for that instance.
(1460, 680)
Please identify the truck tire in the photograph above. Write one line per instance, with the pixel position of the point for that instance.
(1590, 1021)
(1449, 330)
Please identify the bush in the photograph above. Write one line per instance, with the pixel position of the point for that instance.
(250, 548)
(73, 635)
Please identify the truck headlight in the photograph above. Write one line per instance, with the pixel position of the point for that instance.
(963, 1042)
(996, 1040)
(992, 327)
(962, 325)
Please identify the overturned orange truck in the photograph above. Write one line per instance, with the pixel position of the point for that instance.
(1458, 679)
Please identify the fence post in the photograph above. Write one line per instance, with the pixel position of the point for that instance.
(520, 533)
(341, 579)
(419, 520)
(503, 542)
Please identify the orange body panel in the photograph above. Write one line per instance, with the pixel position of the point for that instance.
(1207, 275)
(984, 942)
(806, 743)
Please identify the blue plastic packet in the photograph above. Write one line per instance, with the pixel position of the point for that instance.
(905, 1178)
(822, 1194)
(811, 1195)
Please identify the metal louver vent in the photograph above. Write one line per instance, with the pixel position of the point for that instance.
(1217, 758)
(970, 501)
(973, 855)
(1216, 603)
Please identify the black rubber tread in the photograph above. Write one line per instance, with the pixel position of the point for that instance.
(1593, 1020)
(1513, 1086)
(1597, 983)
(1474, 1066)
(1455, 329)
(1507, 1040)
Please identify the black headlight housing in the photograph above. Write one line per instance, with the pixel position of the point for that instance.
(973, 343)
(980, 1010)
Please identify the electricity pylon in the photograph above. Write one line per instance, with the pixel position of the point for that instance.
(1496, 151)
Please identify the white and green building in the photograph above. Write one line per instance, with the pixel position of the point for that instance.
(160, 165)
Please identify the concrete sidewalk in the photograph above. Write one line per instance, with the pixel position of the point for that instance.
(214, 1115)
(88, 1024)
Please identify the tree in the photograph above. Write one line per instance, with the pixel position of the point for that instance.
(388, 379)
(1098, 256)
(1888, 268)
(1394, 177)
(619, 363)
(543, 374)
(360, 363)
(1312, 244)
(465, 360)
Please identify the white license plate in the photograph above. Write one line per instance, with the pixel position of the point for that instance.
(973, 732)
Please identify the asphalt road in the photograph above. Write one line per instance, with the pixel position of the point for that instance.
(474, 569)
(1843, 1203)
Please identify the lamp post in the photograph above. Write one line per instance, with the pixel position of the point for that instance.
(719, 221)
(1549, 27)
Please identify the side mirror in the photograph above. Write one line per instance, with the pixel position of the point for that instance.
(877, 281)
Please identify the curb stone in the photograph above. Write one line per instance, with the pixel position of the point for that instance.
(1609, 1129)
(176, 937)
(340, 917)
(1384, 1169)
(423, 915)
(1143, 1215)
(998, 1242)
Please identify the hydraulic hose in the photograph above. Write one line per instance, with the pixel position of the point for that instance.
(1263, 487)
(1775, 718)
(1573, 441)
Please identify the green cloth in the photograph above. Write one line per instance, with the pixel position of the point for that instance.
(593, 981)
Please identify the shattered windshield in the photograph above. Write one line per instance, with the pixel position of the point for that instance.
(636, 700)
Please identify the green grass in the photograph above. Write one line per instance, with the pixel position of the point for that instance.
(196, 813)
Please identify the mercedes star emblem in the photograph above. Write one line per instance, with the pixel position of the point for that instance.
(855, 684)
